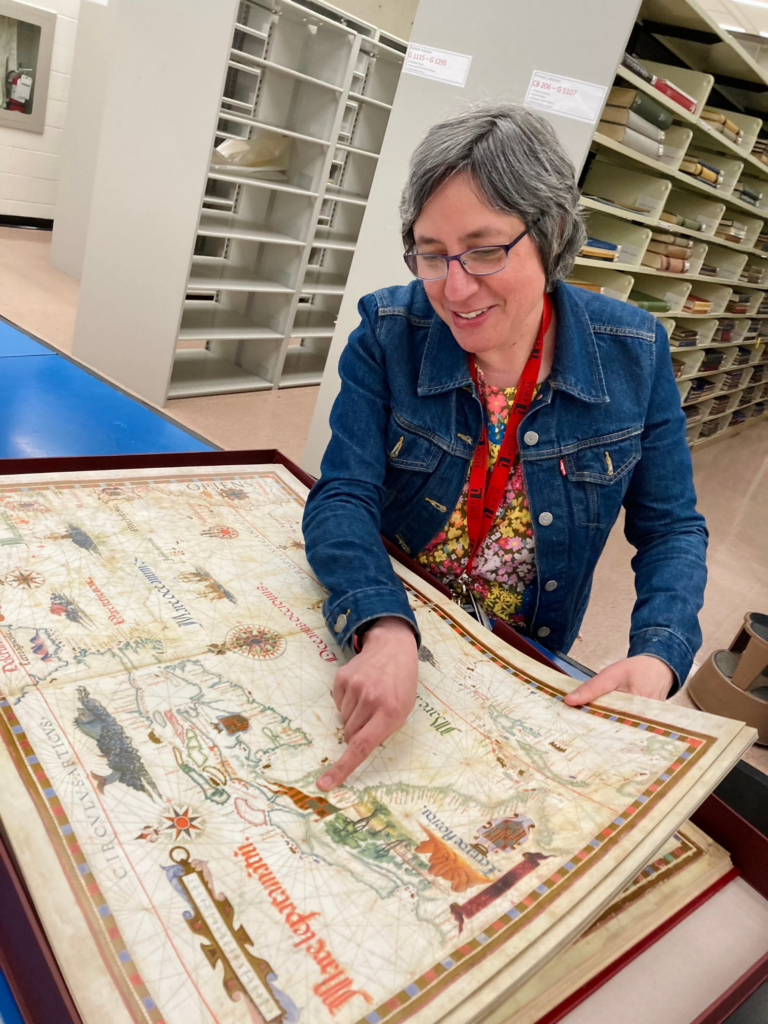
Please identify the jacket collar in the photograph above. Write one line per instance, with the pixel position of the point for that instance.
(576, 367)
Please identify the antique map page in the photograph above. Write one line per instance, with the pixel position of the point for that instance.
(166, 705)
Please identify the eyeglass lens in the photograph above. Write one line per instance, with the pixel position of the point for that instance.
(429, 266)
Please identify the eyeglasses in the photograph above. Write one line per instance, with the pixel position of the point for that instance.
(480, 262)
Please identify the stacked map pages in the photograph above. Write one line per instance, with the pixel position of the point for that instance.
(166, 710)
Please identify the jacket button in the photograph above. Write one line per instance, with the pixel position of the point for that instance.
(546, 518)
(550, 585)
(530, 437)
(340, 623)
(544, 631)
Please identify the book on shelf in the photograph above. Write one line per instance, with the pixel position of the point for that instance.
(592, 252)
(706, 172)
(651, 303)
(695, 304)
(732, 379)
(684, 337)
(625, 116)
(619, 206)
(723, 124)
(752, 275)
(668, 263)
(712, 361)
(708, 270)
(744, 191)
(709, 428)
(682, 222)
(632, 139)
(637, 68)
(675, 93)
(588, 286)
(641, 104)
(673, 249)
(700, 388)
(678, 367)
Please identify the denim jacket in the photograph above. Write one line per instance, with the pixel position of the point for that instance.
(606, 430)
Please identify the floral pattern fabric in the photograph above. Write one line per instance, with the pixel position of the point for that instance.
(505, 565)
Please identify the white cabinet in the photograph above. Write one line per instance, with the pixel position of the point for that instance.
(307, 92)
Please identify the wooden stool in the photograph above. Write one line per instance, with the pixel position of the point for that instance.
(734, 683)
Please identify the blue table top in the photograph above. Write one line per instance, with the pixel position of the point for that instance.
(52, 407)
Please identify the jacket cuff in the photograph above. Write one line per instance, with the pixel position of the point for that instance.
(350, 611)
(666, 645)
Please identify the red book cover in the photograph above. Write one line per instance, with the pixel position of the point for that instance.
(675, 94)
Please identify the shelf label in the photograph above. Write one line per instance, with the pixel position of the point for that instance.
(568, 97)
(442, 65)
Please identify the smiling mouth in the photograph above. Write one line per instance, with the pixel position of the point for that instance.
(472, 315)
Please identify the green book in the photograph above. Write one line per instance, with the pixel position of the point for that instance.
(642, 105)
(644, 301)
(692, 225)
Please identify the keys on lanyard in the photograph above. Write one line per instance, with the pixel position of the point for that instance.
(485, 495)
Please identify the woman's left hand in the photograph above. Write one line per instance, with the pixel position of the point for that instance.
(643, 675)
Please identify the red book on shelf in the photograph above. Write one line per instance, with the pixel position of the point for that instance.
(675, 94)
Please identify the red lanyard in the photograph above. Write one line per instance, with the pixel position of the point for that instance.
(485, 495)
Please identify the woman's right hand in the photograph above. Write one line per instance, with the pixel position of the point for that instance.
(374, 693)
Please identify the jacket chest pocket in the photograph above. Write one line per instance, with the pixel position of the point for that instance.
(408, 450)
(598, 474)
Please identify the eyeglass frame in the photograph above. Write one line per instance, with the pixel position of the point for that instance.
(450, 259)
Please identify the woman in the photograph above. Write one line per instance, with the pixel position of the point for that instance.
(489, 335)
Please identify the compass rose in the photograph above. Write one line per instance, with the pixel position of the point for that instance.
(182, 821)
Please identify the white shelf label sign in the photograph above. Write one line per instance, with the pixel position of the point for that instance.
(569, 97)
(442, 65)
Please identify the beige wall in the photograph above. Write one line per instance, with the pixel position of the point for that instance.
(395, 16)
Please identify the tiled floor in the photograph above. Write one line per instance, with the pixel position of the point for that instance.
(731, 477)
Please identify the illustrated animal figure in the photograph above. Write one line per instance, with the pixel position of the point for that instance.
(63, 605)
(113, 742)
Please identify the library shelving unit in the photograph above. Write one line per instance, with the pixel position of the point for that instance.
(309, 90)
(626, 195)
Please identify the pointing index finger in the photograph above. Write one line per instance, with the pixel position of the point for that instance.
(361, 746)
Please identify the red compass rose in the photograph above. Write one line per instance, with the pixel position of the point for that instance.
(182, 821)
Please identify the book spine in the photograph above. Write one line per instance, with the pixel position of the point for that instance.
(643, 127)
(652, 111)
(641, 143)
(600, 244)
(634, 65)
(677, 266)
(687, 102)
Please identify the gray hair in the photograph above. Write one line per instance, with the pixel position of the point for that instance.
(520, 167)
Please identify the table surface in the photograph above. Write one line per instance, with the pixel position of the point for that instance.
(52, 406)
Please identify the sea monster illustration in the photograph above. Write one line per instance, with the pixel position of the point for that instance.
(113, 742)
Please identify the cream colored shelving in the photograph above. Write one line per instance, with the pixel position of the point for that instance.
(626, 196)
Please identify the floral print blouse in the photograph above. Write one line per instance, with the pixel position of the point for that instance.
(505, 565)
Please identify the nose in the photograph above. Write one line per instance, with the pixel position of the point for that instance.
(459, 285)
